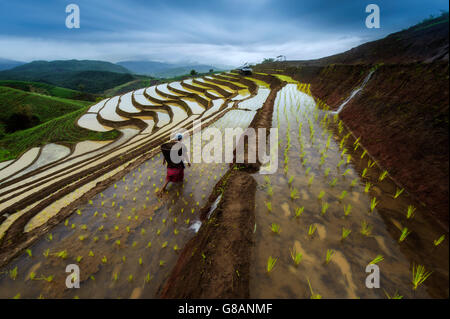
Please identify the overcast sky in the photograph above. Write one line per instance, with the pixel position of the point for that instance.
(226, 32)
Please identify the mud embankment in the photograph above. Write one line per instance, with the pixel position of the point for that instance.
(401, 116)
(216, 262)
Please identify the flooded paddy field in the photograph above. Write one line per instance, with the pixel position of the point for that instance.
(125, 239)
(329, 211)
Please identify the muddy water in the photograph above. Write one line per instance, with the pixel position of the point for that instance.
(125, 240)
(305, 176)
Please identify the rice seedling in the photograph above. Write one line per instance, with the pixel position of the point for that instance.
(341, 162)
(310, 180)
(308, 169)
(419, 275)
(164, 245)
(322, 161)
(404, 234)
(296, 256)
(349, 158)
(294, 194)
(13, 273)
(313, 295)
(321, 195)
(311, 230)
(330, 253)
(347, 209)
(104, 260)
(333, 182)
(354, 182)
(324, 209)
(91, 253)
(271, 263)
(410, 212)
(382, 176)
(299, 211)
(29, 253)
(373, 203)
(376, 260)
(343, 194)
(366, 229)
(398, 192)
(364, 172)
(394, 296)
(367, 187)
(348, 170)
(438, 241)
(269, 206)
(291, 179)
(46, 253)
(275, 228)
(162, 263)
(345, 233)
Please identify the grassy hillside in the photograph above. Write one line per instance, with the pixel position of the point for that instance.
(44, 107)
(48, 89)
(62, 129)
(87, 81)
(423, 42)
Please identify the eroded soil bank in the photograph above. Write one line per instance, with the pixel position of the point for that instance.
(401, 116)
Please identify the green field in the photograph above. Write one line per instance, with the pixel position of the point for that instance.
(48, 89)
(43, 106)
(62, 129)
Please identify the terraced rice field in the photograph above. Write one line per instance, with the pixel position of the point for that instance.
(327, 212)
(330, 210)
(126, 221)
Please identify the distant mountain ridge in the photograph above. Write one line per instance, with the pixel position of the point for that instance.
(70, 65)
(6, 64)
(84, 75)
(166, 70)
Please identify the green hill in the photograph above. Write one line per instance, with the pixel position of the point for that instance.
(87, 76)
(69, 66)
(48, 89)
(43, 107)
(62, 129)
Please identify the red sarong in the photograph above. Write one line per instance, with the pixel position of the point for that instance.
(175, 174)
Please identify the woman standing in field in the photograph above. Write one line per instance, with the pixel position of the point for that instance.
(175, 154)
